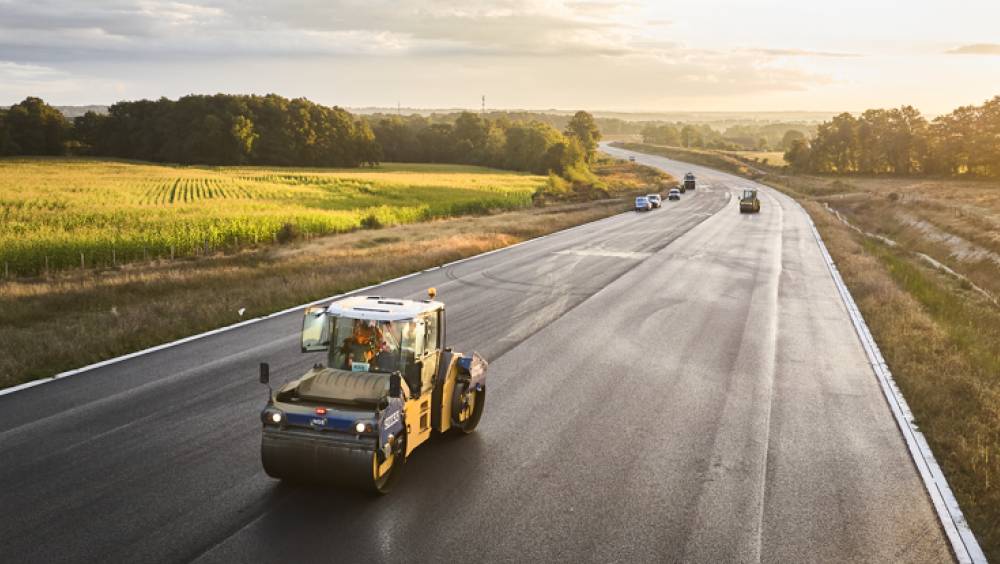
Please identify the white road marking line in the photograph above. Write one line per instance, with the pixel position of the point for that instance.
(963, 540)
(604, 253)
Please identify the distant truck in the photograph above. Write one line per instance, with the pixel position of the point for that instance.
(689, 183)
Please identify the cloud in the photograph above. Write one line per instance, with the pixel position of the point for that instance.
(551, 48)
(976, 49)
(69, 30)
(17, 71)
(21, 80)
(804, 53)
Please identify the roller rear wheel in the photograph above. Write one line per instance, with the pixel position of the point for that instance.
(386, 470)
(467, 407)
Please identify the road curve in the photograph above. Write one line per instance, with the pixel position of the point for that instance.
(678, 385)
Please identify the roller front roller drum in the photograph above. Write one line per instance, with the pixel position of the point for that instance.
(467, 408)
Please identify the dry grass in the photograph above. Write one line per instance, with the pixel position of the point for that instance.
(714, 159)
(940, 339)
(622, 137)
(956, 222)
(943, 346)
(766, 158)
(96, 315)
(624, 177)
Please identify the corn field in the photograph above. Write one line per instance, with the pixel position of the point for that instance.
(79, 213)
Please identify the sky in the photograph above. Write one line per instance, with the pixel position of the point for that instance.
(670, 55)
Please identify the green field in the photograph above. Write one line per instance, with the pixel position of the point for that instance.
(54, 210)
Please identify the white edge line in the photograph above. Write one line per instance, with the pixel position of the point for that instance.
(181, 341)
(963, 541)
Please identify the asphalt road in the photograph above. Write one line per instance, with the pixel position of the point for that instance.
(678, 385)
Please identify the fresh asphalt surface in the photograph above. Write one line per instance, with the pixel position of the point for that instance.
(678, 385)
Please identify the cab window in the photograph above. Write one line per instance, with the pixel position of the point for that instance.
(413, 340)
(366, 345)
(432, 332)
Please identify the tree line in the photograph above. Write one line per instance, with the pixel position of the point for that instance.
(221, 129)
(32, 127)
(736, 137)
(901, 141)
(560, 121)
(228, 129)
(532, 146)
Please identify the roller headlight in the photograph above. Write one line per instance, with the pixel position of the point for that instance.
(272, 417)
(361, 427)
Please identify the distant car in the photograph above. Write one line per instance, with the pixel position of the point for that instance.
(631, 159)
(749, 202)
(642, 204)
(674, 194)
(654, 200)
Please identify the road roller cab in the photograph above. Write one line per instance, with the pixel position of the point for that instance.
(387, 384)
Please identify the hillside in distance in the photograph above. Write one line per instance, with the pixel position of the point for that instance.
(674, 116)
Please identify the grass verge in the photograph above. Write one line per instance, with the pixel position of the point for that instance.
(940, 339)
(941, 343)
(712, 159)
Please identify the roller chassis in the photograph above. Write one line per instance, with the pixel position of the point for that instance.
(321, 438)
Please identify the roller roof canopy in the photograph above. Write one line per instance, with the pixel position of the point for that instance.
(379, 308)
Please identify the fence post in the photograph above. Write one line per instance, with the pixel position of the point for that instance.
(114, 257)
(171, 252)
(81, 262)
(6, 269)
(46, 265)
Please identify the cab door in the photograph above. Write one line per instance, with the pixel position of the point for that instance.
(431, 356)
(425, 342)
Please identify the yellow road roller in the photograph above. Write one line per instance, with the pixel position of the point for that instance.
(749, 202)
(388, 383)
